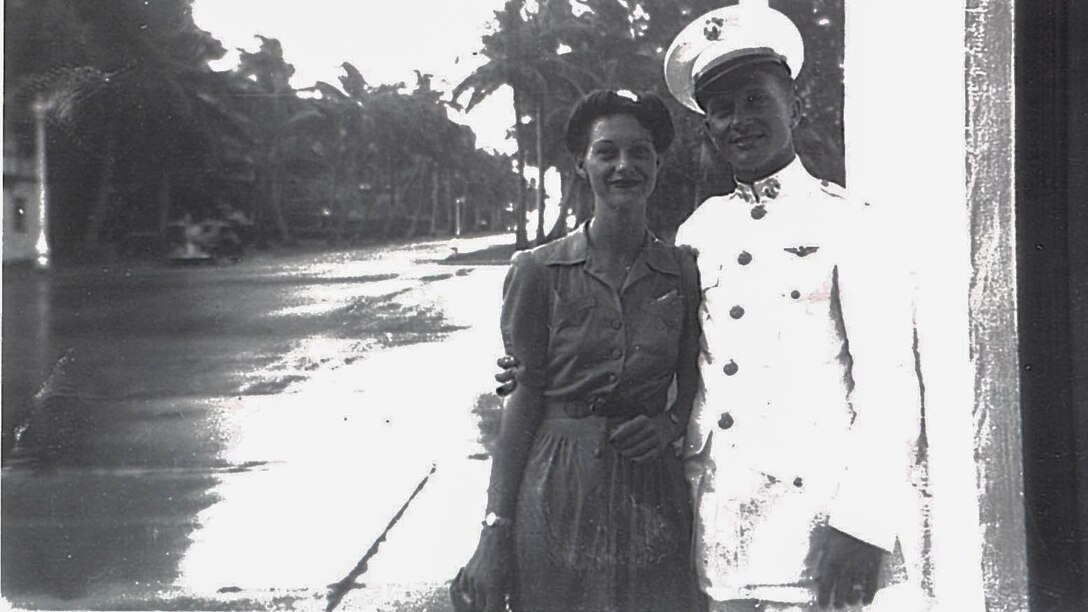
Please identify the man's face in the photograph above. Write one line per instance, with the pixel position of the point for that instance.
(750, 118)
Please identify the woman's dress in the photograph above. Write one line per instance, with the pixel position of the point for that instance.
(595, 531)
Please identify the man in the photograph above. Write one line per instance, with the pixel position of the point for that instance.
(799, 440)
(798, 443)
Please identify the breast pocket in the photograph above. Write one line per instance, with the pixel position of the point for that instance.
(807, 276)
(660, 320)
(572, 311)
(571, 318)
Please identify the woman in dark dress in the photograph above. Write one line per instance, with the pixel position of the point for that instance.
(587, 507)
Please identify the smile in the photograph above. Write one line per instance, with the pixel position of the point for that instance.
(625, 183)
(746, 141)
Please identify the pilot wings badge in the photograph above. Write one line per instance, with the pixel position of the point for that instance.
(802, 251)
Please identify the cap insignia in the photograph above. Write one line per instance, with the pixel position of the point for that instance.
(713, 28)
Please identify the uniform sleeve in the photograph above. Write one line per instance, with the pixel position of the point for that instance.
(687, 367)
(524, 319)
(877, 315)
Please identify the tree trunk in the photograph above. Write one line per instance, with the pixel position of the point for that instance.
(434, 198)
(559, 229)
(540, 170)
(102, 195)
(521, 239)
(339, 214)
(420, 176)
(390, 217)
(274, 195)
(163, 197)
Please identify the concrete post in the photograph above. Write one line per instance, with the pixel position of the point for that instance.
(42, 260)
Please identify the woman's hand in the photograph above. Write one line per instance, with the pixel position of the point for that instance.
(643, 438)
(485, 580)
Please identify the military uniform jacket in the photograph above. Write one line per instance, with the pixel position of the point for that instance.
(809, 392)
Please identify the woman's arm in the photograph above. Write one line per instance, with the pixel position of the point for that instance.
(524, 324)
(484, 581)
(687, 363)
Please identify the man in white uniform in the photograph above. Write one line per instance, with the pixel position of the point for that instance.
(800, 437)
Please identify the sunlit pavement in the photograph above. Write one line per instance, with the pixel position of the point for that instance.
(259, 471)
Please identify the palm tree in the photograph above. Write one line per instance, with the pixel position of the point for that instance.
(522, 53)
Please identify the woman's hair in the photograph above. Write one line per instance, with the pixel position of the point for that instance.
(647, 108)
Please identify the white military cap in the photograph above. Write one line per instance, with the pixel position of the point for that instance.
(725, 39)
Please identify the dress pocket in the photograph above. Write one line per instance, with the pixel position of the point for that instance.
(665, 310)
(572, 311)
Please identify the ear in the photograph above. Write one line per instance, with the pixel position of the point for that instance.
(580, 166)
(795, 111)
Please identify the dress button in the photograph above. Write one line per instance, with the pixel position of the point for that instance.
(730, 368)
(617, 353)
(616, 324)
(797, 482)
(759, 212)
(795, 294)
(726, 421)
(736, 312)
(611, 377)
(744, 258)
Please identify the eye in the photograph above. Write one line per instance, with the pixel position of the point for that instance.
(642, 151)
(722, 111)
(604, 151)
(756, 99)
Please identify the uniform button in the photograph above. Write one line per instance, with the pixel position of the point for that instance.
(617, 353)
(730, 368)
(744, 258)
(597, 452)
(725, 421)
(616, 324)
(759, 212)
(795, 294)
(736, 312)
(797, 482)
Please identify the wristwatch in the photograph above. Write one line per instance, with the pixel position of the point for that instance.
(494, 520)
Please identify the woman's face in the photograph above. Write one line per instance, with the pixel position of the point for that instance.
(620, 163)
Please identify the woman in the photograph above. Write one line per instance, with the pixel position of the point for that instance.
(587, 506)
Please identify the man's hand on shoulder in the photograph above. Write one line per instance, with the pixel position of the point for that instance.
(848, 571)
(505, 378)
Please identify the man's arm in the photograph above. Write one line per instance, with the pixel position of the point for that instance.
(873, 291)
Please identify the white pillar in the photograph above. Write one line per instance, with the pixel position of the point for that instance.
(906, 154)
(42, 258)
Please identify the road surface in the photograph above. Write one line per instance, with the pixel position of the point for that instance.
(238, 437)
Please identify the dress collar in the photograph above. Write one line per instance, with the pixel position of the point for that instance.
(576, 248)
(770, 187)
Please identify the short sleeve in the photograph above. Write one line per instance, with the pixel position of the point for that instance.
(524, 319)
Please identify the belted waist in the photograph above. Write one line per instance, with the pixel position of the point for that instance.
(603, 406)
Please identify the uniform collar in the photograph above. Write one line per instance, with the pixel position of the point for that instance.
(769, 188)
(576, 248)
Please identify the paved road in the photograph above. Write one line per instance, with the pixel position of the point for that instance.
(237, 437)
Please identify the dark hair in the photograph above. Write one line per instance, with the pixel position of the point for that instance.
(647, 108)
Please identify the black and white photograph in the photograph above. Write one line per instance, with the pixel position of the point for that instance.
(545, 306)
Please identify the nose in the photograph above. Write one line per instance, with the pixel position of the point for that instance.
(742, 114)
(624, 160)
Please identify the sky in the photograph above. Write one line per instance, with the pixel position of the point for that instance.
(384, 39)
